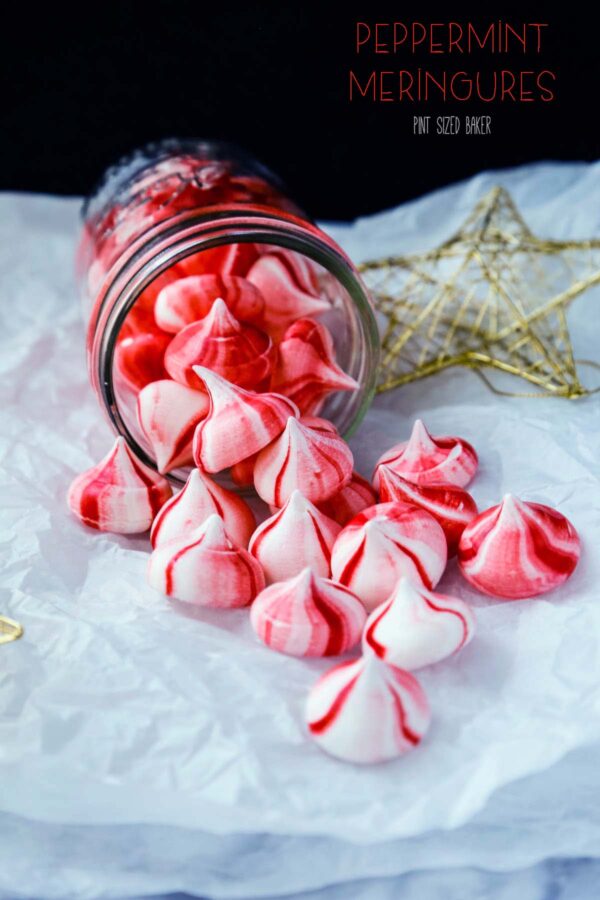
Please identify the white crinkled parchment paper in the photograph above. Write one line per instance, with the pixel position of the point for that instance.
(116, 708)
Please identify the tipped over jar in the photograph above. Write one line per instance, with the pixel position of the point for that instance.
(192, 255)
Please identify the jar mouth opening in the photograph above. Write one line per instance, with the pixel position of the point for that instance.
(163, 251)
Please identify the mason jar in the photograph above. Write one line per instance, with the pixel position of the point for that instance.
(182, 207)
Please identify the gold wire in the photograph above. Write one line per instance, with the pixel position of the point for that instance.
(483, 313)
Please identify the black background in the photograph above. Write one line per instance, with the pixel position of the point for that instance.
(81, 88)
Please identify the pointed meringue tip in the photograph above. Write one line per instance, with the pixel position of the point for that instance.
(371, 664)
(220, 314)
(306, 576)
(212, 381)
(297, 502)
(419, 429)
(202, 372)
(213, 530)
(405, 588)
(195, 477)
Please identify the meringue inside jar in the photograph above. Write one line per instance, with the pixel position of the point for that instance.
(192, 254)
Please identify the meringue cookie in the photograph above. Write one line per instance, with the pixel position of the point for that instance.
(120, 494)
(189, 299)
(367, 711)
(238, 352)
(288, 282)
(385, 542)
(452, 506)
(200, 498)
(518, 549)
(308, 616)
(139, 359)
(427, 460)
(206, 569)
(314, 461)
(416, 628)
(318, 423)
(306, 370)
(239, 422)
(295, 537)
(168, 414)
(242, 473)
(352, 499)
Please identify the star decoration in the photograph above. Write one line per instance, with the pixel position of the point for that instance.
(9, 630)
(493, 296)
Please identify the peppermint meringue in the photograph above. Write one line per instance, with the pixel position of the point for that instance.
(352, 499)
(452, 506)
(189, 299)
(239, 422)
(139, 359)
(306, 370)
(242, 473)
(518, 549)
(206, 569)
(288, 282)
(295, 537)
(168, 414)
(314, 461)
(430, 460)
(120, 494)
(238, 352)
(308, 616)
(200, 498)
(367, 711)
(383, 543)
(416, 628)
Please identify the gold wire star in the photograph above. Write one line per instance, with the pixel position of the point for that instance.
(9, 630)
(493, 295)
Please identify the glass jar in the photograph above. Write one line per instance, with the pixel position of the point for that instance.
(182, 208)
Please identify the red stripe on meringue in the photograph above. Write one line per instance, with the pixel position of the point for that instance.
(452, 612)
(335, 623)
(416, 562)
(320, 536)
(280, 474)
(353, 563)
(336, 707)
(409, 735)
(370, 638)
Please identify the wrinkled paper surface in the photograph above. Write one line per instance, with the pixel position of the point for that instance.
(116, 708)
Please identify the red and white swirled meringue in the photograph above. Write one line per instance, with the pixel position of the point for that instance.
(416, 628)
(385, 542)
(518, 549)
(308, 616)
(120, 494)
(367, 711)
(352, 499)
(139, 359)
(424, 459)
(189, 299)
(200, 498)
(205, 568)
(315, 461)
(453, 507)
(239, 422)
(290, 286)
(236, 351)
(242, 473)
(295, 537)
(306, 370)
(168, 414)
